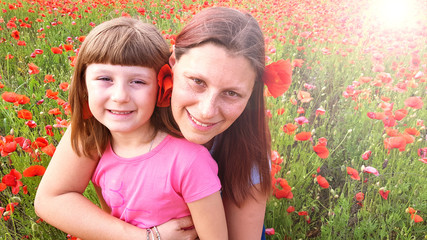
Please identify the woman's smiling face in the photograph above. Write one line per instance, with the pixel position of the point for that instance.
(211, 90)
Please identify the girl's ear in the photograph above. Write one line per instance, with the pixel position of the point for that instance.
(172, 59)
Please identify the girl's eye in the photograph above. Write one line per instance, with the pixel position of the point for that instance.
(104, 78)
(138, 82)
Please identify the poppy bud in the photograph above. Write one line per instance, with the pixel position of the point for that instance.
(12, 132)
(362, 168)
(15, 199)
(34, 227)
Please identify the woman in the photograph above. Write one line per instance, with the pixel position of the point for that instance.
(217, 100)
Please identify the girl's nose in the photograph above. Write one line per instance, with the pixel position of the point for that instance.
(119, 94)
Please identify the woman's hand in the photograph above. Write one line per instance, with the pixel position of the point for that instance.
(181, 228)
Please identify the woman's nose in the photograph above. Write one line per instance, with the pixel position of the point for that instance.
(208, 106)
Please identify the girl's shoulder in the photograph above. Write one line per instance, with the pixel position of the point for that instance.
(180, 147)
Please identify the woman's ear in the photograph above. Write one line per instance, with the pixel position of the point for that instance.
(172, 58)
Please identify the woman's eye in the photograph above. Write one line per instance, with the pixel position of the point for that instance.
(197, 81)
(232, 94)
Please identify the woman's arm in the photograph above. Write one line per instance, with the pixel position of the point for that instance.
(60, 201)
(209, 218)
(247, 221)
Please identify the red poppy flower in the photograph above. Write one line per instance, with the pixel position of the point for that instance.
(9, 147)
(384, 194)
(12, 180)
(304, 96)
(15, 34)
(280, 111)
(321, 151)
(2, 187)
(320, 111)
(303, 213)
(395, 142)
(278, 77)
(55, 111)
(275, 169)
(322, 181)
(33, 69)
(40, 142)
(416, 218)
(303, 136)
(165, 82)
(371, 170)
(410, 210)
(285, 192)
(408, 138)
(68, 47)
(51, 94)
(412, 131)
(64, 86)
(414, 102)
(25, 114)
(290, 209)
(366, 155)
(297, 62)
(424, 160)
(353, 173)
(48, 78)
(56, 50)
(400, 114)
(22, 43)
(275, 157)
(31, 124)
(35, 170)
(9, 97)
(49, 149)
(359, 196)
(82, 38)
(269, 231)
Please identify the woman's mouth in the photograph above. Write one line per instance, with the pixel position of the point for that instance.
(200, 124)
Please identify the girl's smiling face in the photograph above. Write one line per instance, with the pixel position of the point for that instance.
(122, 98)
(211, 90)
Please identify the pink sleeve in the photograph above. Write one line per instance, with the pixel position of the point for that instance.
(200, 177)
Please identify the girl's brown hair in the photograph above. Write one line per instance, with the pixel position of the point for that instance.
(245, 146)
(120, 41)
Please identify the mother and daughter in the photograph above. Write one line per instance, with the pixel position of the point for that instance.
(152, 174)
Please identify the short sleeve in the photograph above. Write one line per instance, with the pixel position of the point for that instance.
(200, 178)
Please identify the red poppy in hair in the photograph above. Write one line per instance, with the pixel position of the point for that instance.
(165, 81)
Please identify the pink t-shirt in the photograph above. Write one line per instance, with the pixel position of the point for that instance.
(151, 189)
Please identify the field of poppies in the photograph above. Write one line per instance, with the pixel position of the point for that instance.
(349, 138)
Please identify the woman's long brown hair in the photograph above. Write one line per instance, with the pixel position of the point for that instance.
(245, 146)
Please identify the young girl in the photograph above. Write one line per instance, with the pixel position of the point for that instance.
(145, 176)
